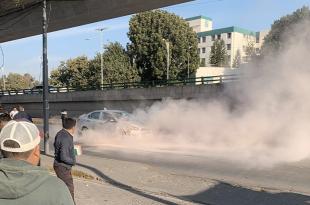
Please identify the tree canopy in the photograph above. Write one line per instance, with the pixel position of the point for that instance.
(71, 73)
(16, 81)
(117, 66)
(276, 38)
(81, 72)
(149, 32)
(218, 55)
(237, 59)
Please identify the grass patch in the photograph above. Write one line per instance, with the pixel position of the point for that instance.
(77, 173)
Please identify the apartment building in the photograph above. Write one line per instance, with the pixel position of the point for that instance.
(235, 39)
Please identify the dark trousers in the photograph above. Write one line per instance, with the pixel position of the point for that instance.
(65, 175)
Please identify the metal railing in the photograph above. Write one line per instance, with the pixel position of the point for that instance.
(126, 85)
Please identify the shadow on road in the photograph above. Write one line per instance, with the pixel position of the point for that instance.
(120, 185)
(227, 194)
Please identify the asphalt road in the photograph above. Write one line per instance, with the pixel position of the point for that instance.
(290, 181)
(292, 177)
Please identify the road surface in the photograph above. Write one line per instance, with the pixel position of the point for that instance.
(200, 179)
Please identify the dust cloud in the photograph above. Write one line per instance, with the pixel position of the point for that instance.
(268, 123)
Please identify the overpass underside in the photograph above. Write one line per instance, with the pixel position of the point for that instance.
(22, 18)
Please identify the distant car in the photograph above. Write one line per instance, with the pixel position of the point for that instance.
(114, 121)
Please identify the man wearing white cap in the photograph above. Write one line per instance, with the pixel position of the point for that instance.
(21, 180)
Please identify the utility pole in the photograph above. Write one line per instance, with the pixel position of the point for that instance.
(2, 68)
(187, 66)
(101, 53)
(168, 56)
(3, 77)
(188, 54)
(45, 81)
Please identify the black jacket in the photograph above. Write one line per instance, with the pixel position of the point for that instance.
(22, 115)
(64, 149)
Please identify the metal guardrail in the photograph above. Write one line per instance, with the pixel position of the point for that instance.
(144, 84)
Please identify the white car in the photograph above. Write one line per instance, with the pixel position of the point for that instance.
(114, 121)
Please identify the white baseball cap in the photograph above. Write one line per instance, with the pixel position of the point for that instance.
(25, 134)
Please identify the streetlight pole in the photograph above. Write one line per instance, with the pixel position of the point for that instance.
(168, 56)
(188, 54)
(3, 77)
(101, 52)
(2, 67)
(187, 66)
(45, 80)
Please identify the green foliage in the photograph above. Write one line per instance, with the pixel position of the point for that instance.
(71, 73)
(148, 34)
(218, 56)
(203, 62)
(275, 40)
(15, 81)
(237, 59)
(116, 65)
(81, 72)
(250, 51)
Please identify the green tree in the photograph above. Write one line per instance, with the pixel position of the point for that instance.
(71, 73)
(250, 51)
(275, 40)
(203, 62)
(81, 72)
(237, 59)
(16, 81)
(218, 56)
(117, 66)
(149, 31)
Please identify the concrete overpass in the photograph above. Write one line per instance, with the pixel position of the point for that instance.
(81, 102)
(24, 19)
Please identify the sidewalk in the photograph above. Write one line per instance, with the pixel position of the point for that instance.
(120, 182)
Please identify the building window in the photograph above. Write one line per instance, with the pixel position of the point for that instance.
(199, 40)
(213, 37)
(228, 47)
(219, 37)
(229, 35)
(198, 50)
(203, 50)
(204, 39)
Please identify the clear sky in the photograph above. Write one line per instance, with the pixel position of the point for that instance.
(24, 56)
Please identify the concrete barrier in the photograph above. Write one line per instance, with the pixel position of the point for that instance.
(77, 103)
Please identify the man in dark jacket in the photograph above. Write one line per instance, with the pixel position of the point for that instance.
(64, 153)
(22, 182)
(22, 115)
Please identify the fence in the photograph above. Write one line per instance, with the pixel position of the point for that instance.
(144, 84)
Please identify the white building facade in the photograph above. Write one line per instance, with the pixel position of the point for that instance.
(235, 39)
